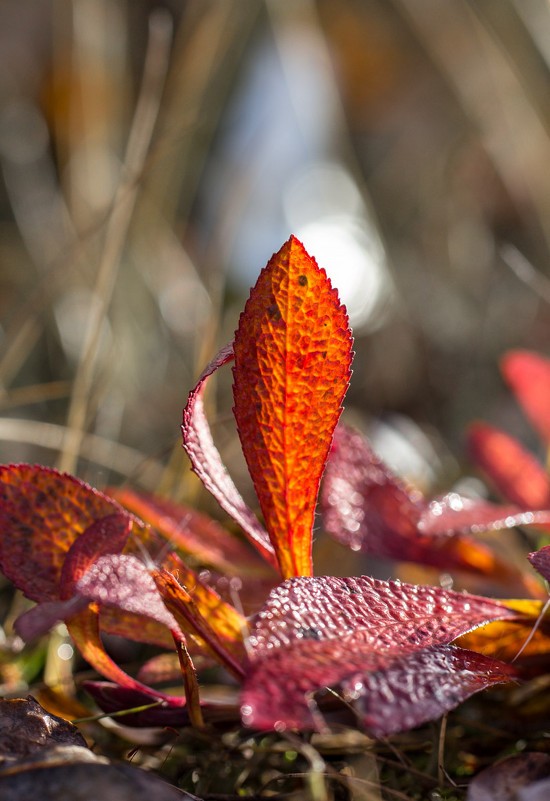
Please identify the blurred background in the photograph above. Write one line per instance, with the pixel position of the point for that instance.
(154, 155)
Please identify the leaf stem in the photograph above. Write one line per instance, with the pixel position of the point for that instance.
(179, 602)
(190, 683)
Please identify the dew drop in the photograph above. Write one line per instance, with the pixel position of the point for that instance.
(65, 651)
(455, 502)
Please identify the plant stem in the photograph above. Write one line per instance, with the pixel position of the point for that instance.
(190, 683)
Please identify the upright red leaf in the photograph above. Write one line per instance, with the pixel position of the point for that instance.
(292, 368)
(528, 375)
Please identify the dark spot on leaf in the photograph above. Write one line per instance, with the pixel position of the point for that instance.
(302, 280)
(309, 633)
(273, 312)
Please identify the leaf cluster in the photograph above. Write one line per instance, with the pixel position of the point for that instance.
(316, 649)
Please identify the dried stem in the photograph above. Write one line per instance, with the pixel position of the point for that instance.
(156, 65)
(190, 683)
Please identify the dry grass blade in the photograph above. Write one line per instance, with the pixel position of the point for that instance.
(35, 393)
(124, 460)
(156, 65)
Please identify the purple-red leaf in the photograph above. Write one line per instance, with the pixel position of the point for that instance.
(112, 698)
(41, 618)
(390, 693)
(420, 687)
(388, 615)
(115, 698)
(207, 463)
(292, 368)
(317, 632)
(42, 512)
(541, 561)
(512, 779)
(108, 535)
(365, 507)
(125, 583)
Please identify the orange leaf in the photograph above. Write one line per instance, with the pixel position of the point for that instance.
(292, 368)
(514, 471)
(84, 630)
(528, 375)
(504, 639)
(190, 616)
(227, 623)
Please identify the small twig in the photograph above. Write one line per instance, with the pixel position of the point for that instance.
(537, 623)
(316, 776)
(120, 714)
(525, 271)
(441, 774)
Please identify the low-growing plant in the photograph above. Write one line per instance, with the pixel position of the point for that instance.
(121, 562)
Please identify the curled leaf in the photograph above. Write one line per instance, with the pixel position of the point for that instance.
(125, 583)
(207, 464)
(181, 605)
(105, 536)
